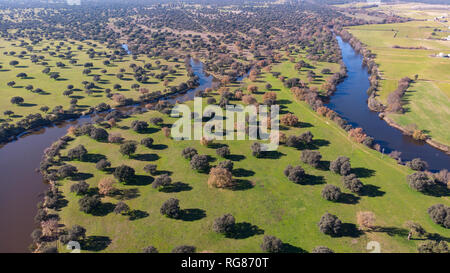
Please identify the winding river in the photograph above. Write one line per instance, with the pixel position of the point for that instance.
(21, 185)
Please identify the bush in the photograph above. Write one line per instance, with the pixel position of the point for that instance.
(417, 164)
(352, 183)
(220, 178)
(106, 186)
(139, 126)
(76, 233)
(223, 151)
(322, 249)
(271, 244)
(99, 134)
(150, 249)
(124, 173)
(341, 165)
(66, 171)
(121, 208)
(128, 148)
(171, 208)
(256, 149)
(79, 188)
(200, 163)
(224, 224)
(440, 214)
(147, 142)
(295, 174)
(89, 203)
(311, 157)
(189, 152)
(289, 120)
(331, 193)
(365, 220)
(150, 168)
(434, 247)
(420, 181)
(162, 181)
(156, 121)
(184, 249)
(103, 164)
(227, 164)
(330, 224)
(306, 138)
(78, 153)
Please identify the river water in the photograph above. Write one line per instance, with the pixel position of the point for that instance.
(21, 185)
(350, 101)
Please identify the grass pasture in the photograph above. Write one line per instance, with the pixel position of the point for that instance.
(266, 203)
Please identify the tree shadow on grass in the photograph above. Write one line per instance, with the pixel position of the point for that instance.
(236, 157)
(242, 172)
(438, 190)
(95, 243)
(324, 165)
(372, 191)
(313, 180)
(137, 214)
(288, 248)
(140, 180)
(192, 214)
(127, 194)
(81, 176)
(271, 155)
(103, 209)
(350, 199)
(392, 231)
(363, 172)
(159, 147)
(242, 185)
(244, 230)
(176, 187)
(350, 230)
(93, 158)
(146, 157)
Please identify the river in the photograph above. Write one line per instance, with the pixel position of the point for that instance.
(21, 185)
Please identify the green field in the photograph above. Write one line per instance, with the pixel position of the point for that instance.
(267, 200)
(427, 101)
(72, 75)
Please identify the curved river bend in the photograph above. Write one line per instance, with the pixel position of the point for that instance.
(21, 185)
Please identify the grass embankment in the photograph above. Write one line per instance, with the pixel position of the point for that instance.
(267, 200)
(72, 74)
(427, 101)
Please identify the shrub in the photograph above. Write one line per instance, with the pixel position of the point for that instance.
(128, 148)
(200, 163)
(99, 134)
(341, 165)
(150, 249)
(420, 181)
(106, 186)
(306, 138)
(124, 173)
(162, 181)
(365, 219)
(220, 178)
(227, 164)
(79, 188)
(150, 168)
(156, 121)
(171, 208)
(417, 164)
(256, 149)
(223, 151)
(79, 153)
(331, 193)
(289, 120)
(147, 142)
(330, 224)
(103, 164)
(139, 126)
(440, 214)
(434, 247)
(66, 171)
(76, 233)
(121, 208)
(115, 138)
(352, 183)
(184, 249)
(294, 174)
(311, 157)
(189, 152)
(206, 141)
(271, 244)
(89, 203)
(322, 249)
(224, 224)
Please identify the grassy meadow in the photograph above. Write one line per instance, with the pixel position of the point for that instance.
(264, 203)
